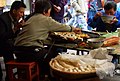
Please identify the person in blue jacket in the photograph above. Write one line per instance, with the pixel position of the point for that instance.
(110, 8)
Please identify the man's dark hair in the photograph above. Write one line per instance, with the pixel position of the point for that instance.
(42, 6)
(17, 5)
(109, 5)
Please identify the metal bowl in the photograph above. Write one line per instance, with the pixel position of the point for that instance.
(107, 19)
(95, 42)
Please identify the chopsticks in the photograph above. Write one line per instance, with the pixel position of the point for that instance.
(107, 31)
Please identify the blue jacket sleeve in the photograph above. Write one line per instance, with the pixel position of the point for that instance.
(118, 17)
(91, 22)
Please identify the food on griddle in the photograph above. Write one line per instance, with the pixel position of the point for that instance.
(82, 44)
(111, 41)
(71, 35)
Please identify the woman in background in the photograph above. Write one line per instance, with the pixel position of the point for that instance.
(57, 11)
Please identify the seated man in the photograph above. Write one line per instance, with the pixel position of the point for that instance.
(110, 8)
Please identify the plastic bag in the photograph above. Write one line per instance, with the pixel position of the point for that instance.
(103, 69)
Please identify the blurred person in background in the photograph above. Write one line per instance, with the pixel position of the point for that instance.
(68, 13)
(92, 10)
(80, 6)
(9, 27)
(79, 19)
(100, 4)
(110, 9)
(118, 4)
(57, 11)
(29, 44)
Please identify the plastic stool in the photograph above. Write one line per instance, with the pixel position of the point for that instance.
(23, 71)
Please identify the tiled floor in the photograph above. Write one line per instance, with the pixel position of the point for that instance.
(114, 78)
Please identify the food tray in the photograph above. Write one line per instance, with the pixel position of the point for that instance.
(62, 40)
(72, 37)
(71, 75)
(92, 34)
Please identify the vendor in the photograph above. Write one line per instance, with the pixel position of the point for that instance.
(29, 42)
(110, 8)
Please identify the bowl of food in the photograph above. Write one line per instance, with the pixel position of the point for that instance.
(59, 70)
(95, 42)
(107, 19)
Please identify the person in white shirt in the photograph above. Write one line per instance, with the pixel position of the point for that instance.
(80, 18)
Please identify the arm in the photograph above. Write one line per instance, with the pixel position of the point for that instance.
(62, 3)
(75, 6)
(79, 6)
(4, 31)
(117, 24)
(56, 26)
(92, 21)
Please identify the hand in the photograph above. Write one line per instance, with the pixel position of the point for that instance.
(98, 14)
(19, 25)
(57, 8)
(77, 30)
(114, 20)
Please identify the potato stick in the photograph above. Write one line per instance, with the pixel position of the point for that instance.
(90, 67)
(74, 70)
(82, 69)
(65, 65)
(65, 69)
(78, 69)
(71, 70)
(57, 65)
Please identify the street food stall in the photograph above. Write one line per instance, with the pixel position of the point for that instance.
(80, 42)
(109, 40)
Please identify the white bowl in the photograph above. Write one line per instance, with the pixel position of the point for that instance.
(95, 42)
(107, 19)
